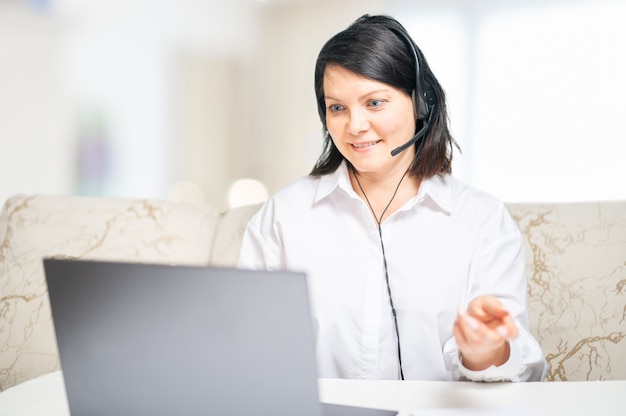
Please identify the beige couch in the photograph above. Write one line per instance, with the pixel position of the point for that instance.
(576, 255)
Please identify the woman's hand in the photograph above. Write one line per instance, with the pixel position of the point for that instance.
(482, 333)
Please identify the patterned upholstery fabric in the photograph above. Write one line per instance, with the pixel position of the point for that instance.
(576, 269)
(576, 262)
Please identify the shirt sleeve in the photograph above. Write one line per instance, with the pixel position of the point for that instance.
(499, 269)
(525, 363)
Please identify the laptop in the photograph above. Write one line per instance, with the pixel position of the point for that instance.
(146, 339)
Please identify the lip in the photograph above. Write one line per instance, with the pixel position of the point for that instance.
(364, 146)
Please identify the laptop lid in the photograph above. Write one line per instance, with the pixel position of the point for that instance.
(145, 339)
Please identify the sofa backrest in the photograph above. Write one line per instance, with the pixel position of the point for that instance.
(576, 267)
(576, 270)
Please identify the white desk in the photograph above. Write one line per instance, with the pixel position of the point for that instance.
(46, 396)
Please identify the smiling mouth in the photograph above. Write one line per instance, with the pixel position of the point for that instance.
(362, 145)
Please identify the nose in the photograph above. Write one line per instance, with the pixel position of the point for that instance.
(358, 122)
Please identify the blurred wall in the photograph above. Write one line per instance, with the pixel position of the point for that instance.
(130, 99)
(36, 133)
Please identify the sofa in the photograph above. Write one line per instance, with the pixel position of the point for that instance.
(576, 267)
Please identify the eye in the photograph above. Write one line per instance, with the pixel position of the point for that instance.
(375, 103)
(335, 108)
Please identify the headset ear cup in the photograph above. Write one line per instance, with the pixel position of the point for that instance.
(430, 96)
(420, 103)
(427, 102)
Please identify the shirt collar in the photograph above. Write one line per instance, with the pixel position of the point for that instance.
(338, 179)
(435, 191)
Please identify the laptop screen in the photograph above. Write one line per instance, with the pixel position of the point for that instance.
(162, 340)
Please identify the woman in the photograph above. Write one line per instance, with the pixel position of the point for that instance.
(412, 274)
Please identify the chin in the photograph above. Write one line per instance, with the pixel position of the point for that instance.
(364, 167)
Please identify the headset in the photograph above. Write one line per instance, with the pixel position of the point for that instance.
(424, 97)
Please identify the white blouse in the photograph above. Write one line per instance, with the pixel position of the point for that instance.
(447, 245)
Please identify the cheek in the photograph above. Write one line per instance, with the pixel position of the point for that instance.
(333, 126)
(394, 125)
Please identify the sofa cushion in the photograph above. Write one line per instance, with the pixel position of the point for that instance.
(576, 269)
(87, 228)
(229, 234)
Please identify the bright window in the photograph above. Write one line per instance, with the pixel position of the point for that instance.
(537, 96)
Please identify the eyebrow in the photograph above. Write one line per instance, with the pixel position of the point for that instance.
(328, 97)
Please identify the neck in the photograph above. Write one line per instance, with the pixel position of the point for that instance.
(384, 195)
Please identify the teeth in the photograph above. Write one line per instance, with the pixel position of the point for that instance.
(360, 145)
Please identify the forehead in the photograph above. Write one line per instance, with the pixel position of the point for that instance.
(339, 81)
